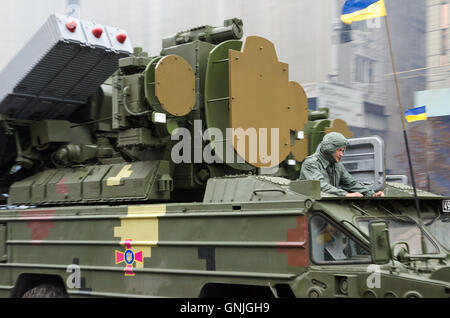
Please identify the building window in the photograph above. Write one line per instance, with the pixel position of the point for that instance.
(364, 69)
(360, 25)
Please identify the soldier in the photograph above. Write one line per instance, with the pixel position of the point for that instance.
(332, 243)
(324, 166)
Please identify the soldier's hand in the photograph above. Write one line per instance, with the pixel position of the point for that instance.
(378, 194)
(354, 194)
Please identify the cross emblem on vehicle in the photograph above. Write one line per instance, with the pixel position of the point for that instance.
(129, 257)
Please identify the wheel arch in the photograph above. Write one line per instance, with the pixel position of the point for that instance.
(27, 281)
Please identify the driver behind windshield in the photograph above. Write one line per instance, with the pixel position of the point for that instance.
(333, 243)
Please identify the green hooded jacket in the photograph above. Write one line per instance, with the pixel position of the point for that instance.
(333, 176)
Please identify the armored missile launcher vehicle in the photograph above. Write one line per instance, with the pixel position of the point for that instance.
(128, 175)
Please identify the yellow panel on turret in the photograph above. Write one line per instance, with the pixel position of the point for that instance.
(175, 85)
(300, 149)
(263, 103)
(340, 126)
(298, 107)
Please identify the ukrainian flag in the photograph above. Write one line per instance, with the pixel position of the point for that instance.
(415, 114)
(357, 10)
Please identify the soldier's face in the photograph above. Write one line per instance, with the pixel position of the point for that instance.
(331, 229)
(339, 153)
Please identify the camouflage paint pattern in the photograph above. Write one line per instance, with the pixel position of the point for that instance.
(178, 248)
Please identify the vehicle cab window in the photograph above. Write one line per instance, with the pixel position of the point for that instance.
(440, 228)
(329, 244)
(407, 231)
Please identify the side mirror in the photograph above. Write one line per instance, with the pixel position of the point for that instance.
(379, 241)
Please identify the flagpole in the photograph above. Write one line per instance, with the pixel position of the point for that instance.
(416, 199)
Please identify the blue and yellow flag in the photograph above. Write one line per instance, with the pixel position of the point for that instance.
(358, 10)
(415, 114)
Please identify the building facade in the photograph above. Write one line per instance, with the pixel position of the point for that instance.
(438, 44)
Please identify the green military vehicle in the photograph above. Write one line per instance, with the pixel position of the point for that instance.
(177, 176)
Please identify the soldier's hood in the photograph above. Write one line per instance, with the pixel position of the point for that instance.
(329, 144)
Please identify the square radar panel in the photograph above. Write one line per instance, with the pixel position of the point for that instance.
(62, 65)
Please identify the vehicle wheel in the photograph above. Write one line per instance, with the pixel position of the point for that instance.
(45, 291)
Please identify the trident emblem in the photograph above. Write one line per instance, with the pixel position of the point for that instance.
(129, 257)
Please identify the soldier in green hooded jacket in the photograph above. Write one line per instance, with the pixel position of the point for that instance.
(324, 165)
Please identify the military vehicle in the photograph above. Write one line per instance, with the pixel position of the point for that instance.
(127, 175)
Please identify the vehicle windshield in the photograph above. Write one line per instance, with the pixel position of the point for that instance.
(440, 228)
(330, 244)
(404, 230)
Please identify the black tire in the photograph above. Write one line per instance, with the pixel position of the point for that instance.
(45, 291)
